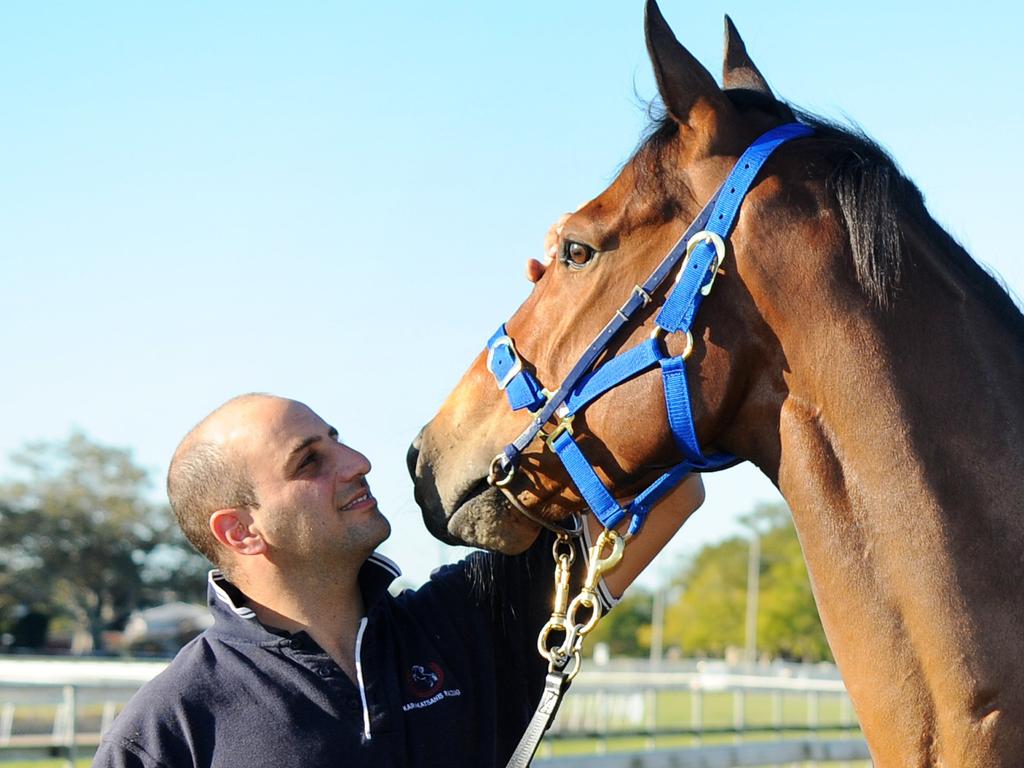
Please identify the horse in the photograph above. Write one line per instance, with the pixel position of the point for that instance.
(852, 350)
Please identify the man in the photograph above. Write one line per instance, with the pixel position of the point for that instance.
(310, 661)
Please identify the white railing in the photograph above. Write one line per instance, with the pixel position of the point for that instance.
(609, 709)
(48, 718)
(64, 706)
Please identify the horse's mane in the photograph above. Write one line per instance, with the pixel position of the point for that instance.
(494, 580)
(874, 197)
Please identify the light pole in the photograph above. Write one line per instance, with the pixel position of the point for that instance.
(753, 587)
(657, 626)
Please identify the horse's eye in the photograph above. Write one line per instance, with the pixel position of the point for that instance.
(577, 255)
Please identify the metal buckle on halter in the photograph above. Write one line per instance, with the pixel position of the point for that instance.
(645, 299)
(546, 394)
(705, 236)
(517, 366)
(564, 425)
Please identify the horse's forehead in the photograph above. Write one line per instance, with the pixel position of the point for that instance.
(621, 205)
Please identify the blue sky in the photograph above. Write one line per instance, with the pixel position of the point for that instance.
(333, 201)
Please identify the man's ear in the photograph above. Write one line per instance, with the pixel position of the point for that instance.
(232, 527)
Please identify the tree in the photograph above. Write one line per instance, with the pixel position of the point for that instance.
(787, 623)
(78, 535)
(709, 617)
(624, 629)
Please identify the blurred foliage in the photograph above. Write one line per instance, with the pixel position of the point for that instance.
(624, 630)
(705, 612)
(787, 620)
(80, 538)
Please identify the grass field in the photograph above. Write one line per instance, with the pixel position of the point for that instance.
(761, 715)
(676, 709)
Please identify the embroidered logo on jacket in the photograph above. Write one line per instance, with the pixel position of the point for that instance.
(425, 683)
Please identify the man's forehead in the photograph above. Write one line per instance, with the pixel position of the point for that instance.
(266, 426)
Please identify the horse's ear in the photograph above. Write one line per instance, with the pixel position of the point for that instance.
(738, 71)
(683, 82)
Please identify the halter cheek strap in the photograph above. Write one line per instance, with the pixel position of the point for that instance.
(698, 254)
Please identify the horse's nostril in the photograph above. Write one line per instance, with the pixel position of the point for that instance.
(412, 455)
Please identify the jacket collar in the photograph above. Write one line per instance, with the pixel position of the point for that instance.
(233, 617)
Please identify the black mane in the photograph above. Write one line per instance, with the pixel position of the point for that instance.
(872, 194)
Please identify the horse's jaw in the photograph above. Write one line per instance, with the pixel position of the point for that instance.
(468, 512)
(485, 519)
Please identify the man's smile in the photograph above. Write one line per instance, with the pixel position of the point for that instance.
(363, 498)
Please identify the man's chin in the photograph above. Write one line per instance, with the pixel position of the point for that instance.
(371, 532)
(385, 526)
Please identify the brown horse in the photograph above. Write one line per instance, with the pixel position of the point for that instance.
(851, 350)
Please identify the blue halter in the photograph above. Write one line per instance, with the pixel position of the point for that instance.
(701, 250)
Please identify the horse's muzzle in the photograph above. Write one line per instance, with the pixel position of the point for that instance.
(424, 491)
(475, 514)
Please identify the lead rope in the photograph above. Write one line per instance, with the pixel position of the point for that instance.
(564, 658)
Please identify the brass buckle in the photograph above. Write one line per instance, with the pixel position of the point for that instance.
(704, 236)
(517, 366)
(565, 425)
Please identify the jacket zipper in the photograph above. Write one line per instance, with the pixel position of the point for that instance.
(359, 679)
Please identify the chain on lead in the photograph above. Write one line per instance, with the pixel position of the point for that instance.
(564, 554)
(563, 619)
(587, 598)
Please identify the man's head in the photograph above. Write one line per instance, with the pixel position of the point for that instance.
(265, 478)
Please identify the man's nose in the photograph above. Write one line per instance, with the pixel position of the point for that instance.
(352, 464)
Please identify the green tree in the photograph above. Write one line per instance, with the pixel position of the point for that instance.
(79, 535)
(787, 622)
(710, 615)
(625, 629)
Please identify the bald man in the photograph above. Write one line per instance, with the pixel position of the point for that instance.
(310, 661)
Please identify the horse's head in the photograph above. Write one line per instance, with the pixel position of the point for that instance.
(601, 252)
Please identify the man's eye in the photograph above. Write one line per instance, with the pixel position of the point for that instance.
(577, 255)
(311, 459)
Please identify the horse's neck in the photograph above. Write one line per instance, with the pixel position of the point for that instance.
(900, 459)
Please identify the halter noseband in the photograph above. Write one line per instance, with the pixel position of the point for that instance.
(701, 250)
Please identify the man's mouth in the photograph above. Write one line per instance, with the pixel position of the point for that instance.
(363, 498)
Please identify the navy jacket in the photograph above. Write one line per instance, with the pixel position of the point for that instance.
(447, 675)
